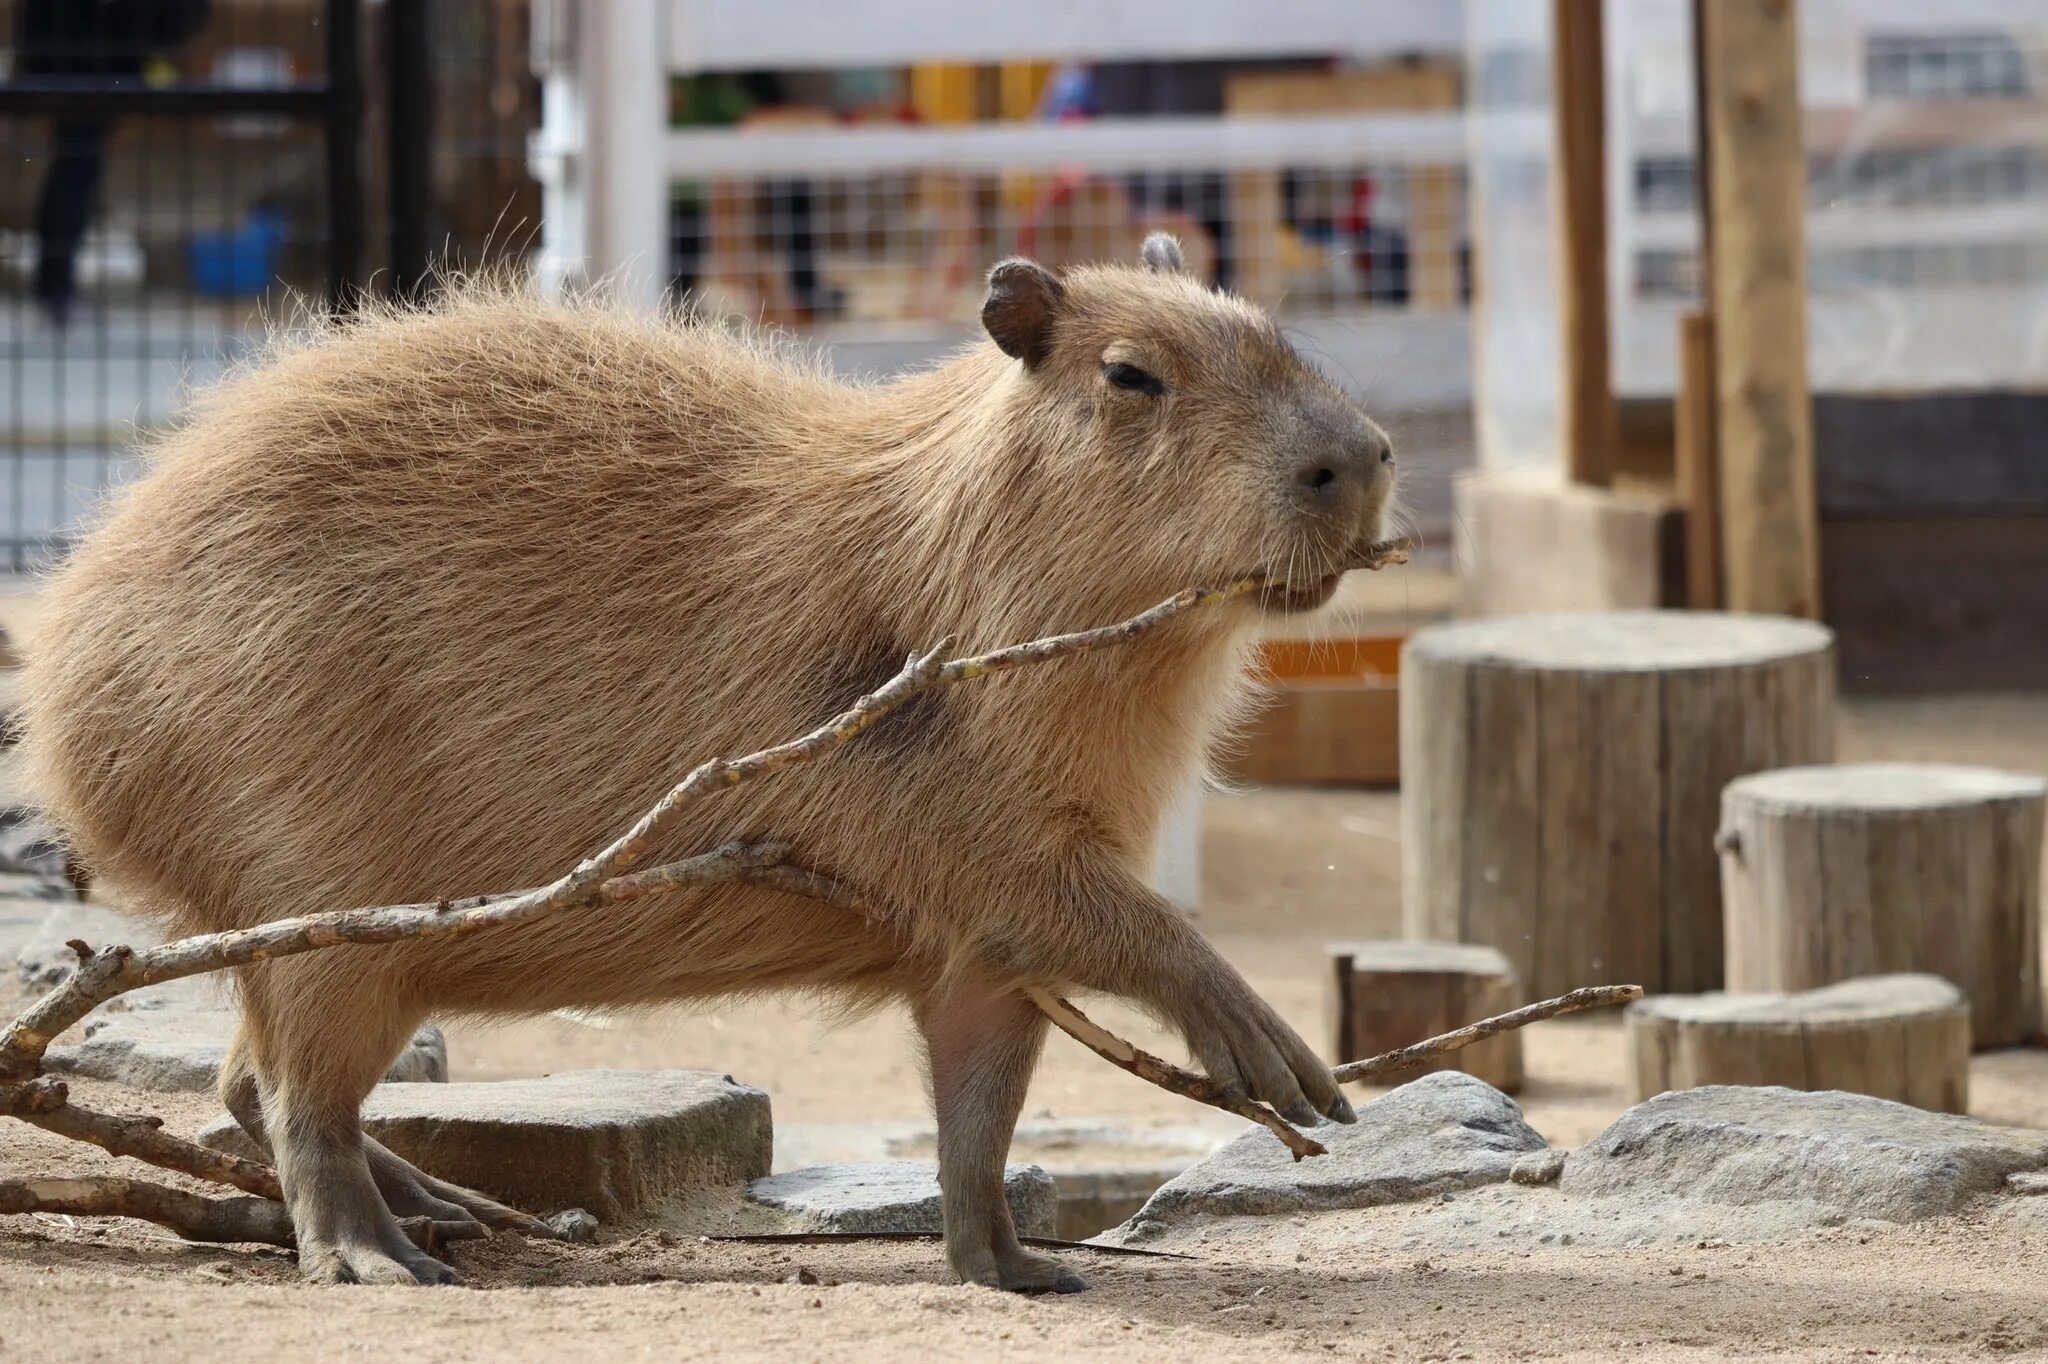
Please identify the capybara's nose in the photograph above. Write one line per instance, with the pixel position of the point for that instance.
(1348, 465)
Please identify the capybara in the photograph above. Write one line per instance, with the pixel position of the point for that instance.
(434, 602)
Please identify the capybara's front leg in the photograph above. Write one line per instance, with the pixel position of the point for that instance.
(321, 1034)
(1090, 924)
(982, 1042)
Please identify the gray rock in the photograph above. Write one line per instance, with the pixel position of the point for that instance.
(894, 1195)
(1538, 1167)
(1444, 1131)
(181, 1051)
(45, 960)
(616, 1142)
(2028, 1183)
(1846, 1155)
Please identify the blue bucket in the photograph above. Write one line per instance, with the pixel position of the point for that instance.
(238, 263)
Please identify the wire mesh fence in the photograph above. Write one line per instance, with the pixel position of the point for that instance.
(187, 171)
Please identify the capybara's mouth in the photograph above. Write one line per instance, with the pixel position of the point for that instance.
(1287, 597)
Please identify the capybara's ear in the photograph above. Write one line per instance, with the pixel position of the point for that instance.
(1161, 252)
(1022, 298)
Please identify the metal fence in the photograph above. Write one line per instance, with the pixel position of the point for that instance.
(187, 170)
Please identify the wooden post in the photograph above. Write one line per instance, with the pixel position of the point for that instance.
(1561, 778)
(1905, 1038)
(1836, 872)
(1386, 994)
(1755, 213)
(1697, 464)
(1578, 95)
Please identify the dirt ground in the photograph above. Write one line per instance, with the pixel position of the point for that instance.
(1285, 872)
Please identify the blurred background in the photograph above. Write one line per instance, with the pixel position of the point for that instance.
(1393, 179)
(1745, 314)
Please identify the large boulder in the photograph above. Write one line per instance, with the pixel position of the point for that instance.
(1842, 1155)
(893, 1195)
(615, 1142)
(181, 1051)
(1443, 1132)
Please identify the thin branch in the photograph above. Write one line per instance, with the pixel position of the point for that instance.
(1167, 1075)
(46, 1104)
(194, 1217)
(1586, 997)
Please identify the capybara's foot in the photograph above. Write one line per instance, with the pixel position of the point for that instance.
(1023, 1272)
(368, 1263)
(411, 1192)
(1017, 1271)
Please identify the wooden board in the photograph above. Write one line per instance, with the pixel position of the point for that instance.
(1698, 461)
(1939, 603)
(1943, 453)
(1333, 715)
(1756, 179)
(1578, 84)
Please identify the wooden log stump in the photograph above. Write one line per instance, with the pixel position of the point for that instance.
(1905, 1038)
(1560, 780)
(1834, 872)
(1391, 993)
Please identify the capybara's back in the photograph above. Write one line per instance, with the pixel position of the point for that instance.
(384, 619)
(434, 603)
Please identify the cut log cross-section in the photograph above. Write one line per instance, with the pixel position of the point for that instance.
(1561, 778)
(1867, 868)
(1387, 994)
(1904, 1038)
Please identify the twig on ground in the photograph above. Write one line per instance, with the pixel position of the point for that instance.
(1586, 997)
(262, 1221)
(46, 1103)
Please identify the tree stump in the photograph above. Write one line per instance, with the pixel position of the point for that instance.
(1834, 872)
(1905, 1038)
(1560, 780)
(1389, 994)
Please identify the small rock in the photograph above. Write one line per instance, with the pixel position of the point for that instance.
(181, 1052)
(1538, 1167)
(2027, 1182)
(803, 1276)
(575, 1226)
(1843, 1155)
(1444, 1131)
(894, 1195)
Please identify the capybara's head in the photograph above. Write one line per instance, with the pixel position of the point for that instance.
(1183, 414)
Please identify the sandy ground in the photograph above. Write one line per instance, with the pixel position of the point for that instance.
(1285, 872)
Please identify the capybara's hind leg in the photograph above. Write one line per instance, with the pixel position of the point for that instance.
(322, 1034)
(408, 1190)
(982, 1043)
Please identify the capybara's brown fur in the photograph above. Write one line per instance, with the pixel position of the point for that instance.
(436, 602)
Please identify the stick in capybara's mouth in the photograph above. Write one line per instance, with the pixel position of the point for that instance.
(431, 603)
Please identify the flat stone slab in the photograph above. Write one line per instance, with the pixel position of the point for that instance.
(181, 1051)
(894, 1195)
(1445, 1131)
(44, 960)
(1847, 1155)
(613, 1142)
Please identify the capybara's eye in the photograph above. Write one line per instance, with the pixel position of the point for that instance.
(1134, 379)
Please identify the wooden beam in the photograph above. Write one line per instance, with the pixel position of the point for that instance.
(1756, 178)
(1698, 465)
(1578, 93)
